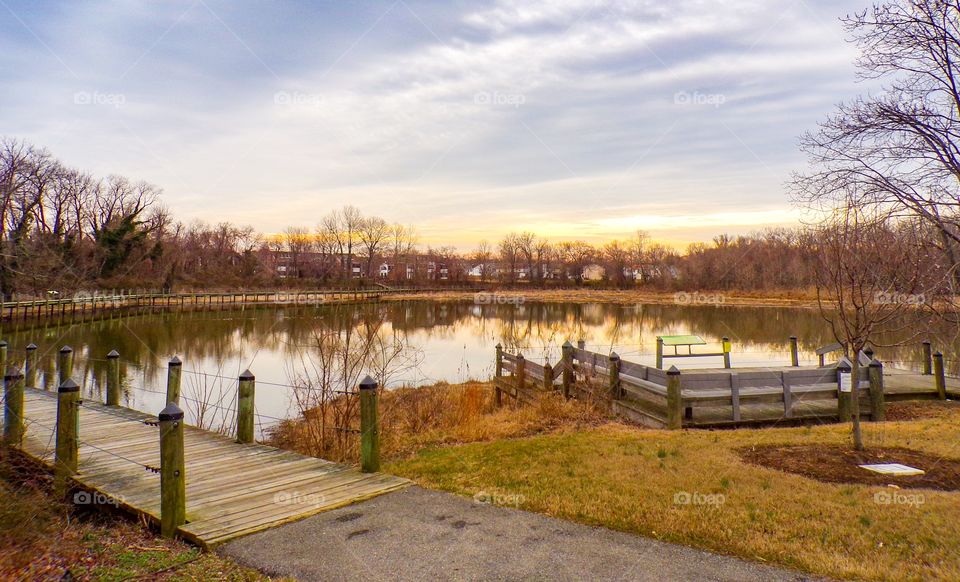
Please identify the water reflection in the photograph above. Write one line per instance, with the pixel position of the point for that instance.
(453, 341)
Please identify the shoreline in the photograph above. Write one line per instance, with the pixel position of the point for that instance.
(798, 299)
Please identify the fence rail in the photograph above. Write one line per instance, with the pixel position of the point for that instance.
(722, 397)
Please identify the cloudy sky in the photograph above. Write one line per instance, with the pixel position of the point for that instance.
(578, 118)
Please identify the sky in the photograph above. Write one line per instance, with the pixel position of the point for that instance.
(583, 119)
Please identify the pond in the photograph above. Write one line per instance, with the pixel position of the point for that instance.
(400, 342)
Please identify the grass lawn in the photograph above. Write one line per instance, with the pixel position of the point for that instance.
(691, 487)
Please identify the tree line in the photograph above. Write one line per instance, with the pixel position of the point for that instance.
(63, 230)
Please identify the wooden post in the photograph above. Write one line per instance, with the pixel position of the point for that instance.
(674, 399)
(614, 379)
(794, 352)
(567, 368)
(877, 405)
(173, 476)
(173, 380)
(65, 363)
(927, 358)
(843, 398)
(245, 399)
(369, 432)
(582, 344)
(521, 374)
(498, 373)
(726, 352)
(13, 408)
(31, 366)
(547, 377)
(68, 434)
(659, 353)
(113, 378)
(3, 356)
(939, 376)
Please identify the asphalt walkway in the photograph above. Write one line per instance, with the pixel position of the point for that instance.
(418, 534)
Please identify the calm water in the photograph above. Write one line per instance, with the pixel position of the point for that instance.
(413, 342)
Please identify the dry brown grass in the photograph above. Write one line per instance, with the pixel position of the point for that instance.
(441, 414)
(43, 538)
(642, 481)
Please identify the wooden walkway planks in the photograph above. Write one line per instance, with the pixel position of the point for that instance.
(232, 489)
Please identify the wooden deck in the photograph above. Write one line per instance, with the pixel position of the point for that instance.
(710, 397)
(232, 489)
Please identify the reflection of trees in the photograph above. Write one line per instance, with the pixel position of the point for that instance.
(146, 341)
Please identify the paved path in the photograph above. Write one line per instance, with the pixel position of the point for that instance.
(417, 534)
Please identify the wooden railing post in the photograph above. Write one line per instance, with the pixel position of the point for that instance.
(65, 364)
(173, 477)
(13, 408)
(547, 377)
(173, 380)
(939, 376)
(613, 382)
(659, 353)
(3, 356)
(567, 368)
(927, 358)
(68, 435)
(520, 373)
(113, 378)
(794, 352)
(245, 398)
(877, 405)
(581, 344)
(30, 365)
(844, 396)
(726, 352)
(674, 399)
(369, 431)
(498, 373)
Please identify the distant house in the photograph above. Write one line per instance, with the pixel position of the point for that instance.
(594, 272)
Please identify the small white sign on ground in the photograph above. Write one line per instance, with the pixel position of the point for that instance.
(895, 469)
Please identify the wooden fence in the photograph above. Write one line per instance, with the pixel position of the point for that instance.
(674, 399)
(94, 303)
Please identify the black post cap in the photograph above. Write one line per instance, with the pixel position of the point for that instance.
(175, 361)
(171, 412)
(876, 363)
(31, 347)
(247, 375)
(113, 354)
(3, 344)
(368, 383)
(12, 373)
(66, 350)
(673, 371)
(614, 356)
(68, 385)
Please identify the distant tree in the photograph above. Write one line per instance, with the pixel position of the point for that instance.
(374, 232)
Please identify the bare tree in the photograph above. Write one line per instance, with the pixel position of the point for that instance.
(865, 290)
(374, 234)
(900, 149)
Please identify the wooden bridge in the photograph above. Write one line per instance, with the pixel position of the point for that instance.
(714, 397)
(116, 456)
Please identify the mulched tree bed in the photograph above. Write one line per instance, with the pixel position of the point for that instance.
(839, 464)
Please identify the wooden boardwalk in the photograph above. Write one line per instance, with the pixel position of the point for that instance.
(231, 489)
